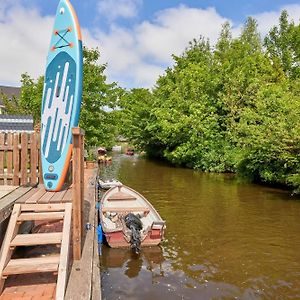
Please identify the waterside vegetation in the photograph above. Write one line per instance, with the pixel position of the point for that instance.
(231, 107)
(234, 107)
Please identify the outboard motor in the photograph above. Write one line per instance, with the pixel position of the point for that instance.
(134, 223)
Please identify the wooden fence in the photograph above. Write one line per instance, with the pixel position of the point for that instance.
(20, 159)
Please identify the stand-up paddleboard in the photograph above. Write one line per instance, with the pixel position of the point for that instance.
(61, 96)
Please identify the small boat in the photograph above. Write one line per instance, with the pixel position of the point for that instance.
(101, 150)
(129, 151)
(107, 184)
(129, 220)
(104, 159)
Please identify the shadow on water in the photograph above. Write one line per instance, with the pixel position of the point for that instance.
(224, 239)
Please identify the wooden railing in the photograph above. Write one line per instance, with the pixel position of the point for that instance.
(20, 159)
(77, 191)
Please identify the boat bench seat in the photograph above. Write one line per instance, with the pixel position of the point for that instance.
(146, 210)
(121, 196)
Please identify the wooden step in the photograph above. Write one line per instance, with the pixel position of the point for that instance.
(37, 239)
(32, 265)
(42, 207)
(41, 216)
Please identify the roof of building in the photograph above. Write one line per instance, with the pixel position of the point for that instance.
(16, 123)
(9, 91)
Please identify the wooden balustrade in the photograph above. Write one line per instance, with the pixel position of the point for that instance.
(20, 159)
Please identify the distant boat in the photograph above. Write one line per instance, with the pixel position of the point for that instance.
(104, 159)
(129, 151)
(129, 220)
(101, 150)
(107, 184)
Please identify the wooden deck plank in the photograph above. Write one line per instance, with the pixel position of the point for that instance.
(46, 197)
(80, 282)
(57, 197)
(67, 196)
(6, 203)
(6, 189)
(28, 195)
(36, 197)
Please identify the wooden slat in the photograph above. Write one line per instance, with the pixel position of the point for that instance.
(58, 196)
(67, 196)
(41, 216)
(43, 207)
(11, 232)
(1, 157)
(33, 159)
(37, 239)
(121, 196)
(64, 253)
(9, 158)
(36, 197)
(6, 203)
(29, 195)
(16, 160)
(125, 209)
(46, 197)
(39, 161)
(24, 158)
(32, 265)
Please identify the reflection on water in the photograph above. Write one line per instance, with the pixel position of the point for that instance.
(224, 239)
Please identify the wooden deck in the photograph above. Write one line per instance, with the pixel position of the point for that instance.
(9, 195)
(49, 215)
(84, 278)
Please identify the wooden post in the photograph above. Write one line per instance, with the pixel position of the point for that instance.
(9, 158)
(2, 158)
(33, 159)
(77, 194)
(16, 159)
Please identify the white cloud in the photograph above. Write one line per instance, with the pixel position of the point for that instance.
(135, 56)
(24, 43)
(113, 9)
(267, 20)
(173, 28)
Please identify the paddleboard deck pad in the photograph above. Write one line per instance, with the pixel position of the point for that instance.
(61, 96)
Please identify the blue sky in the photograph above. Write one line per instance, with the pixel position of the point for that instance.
(136, 37)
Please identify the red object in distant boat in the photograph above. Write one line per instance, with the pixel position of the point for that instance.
(118, 202)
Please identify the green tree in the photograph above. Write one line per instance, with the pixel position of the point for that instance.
(283, 46)
(99, 99)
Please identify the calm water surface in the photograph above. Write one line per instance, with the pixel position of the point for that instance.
(224, 239)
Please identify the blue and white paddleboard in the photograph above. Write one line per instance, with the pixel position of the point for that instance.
(61, 96)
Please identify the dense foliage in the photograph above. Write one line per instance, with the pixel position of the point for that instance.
(98, 99)
(234, 107)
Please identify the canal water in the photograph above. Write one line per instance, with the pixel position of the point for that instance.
(225, 239)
